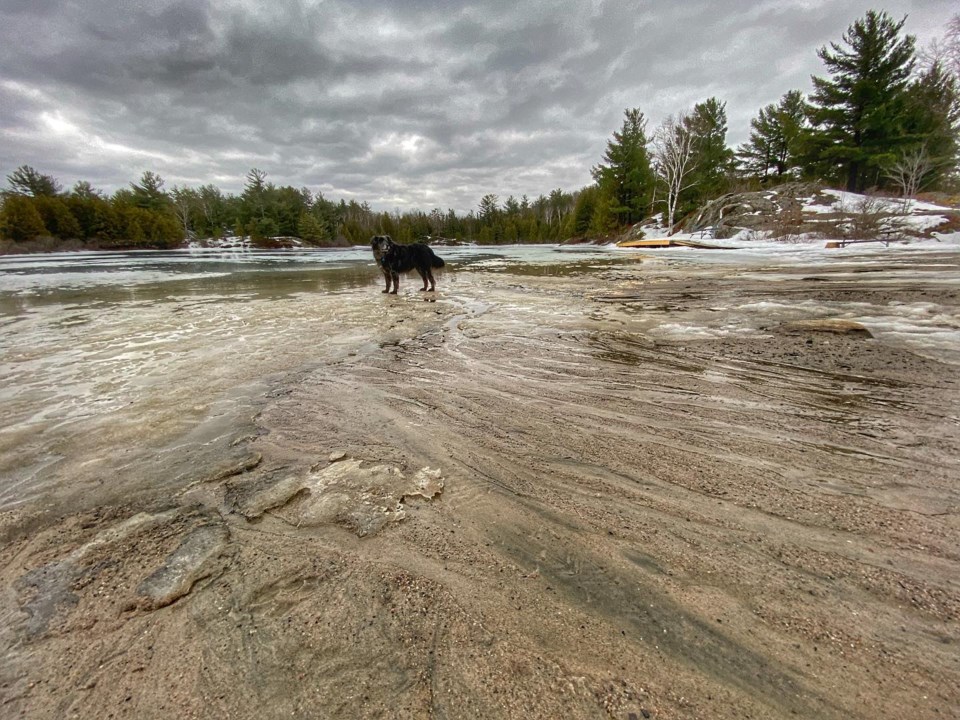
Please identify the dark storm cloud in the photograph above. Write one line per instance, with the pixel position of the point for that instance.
(416, 104)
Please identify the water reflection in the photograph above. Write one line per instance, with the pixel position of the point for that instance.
(157, 276)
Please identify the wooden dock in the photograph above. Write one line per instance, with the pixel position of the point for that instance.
(670, 242)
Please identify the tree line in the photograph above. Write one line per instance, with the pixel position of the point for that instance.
(885, 116)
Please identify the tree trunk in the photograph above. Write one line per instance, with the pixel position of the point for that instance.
(853, 176)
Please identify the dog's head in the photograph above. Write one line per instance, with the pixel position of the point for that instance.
(380, 245)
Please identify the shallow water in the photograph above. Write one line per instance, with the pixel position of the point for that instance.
(112, 357)
(136, 360)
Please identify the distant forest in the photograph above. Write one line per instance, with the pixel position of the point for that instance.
(884, 117)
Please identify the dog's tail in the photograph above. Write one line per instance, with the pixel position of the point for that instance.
(435, 260)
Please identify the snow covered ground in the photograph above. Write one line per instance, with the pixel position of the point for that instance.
(240, 243)
(781, 216)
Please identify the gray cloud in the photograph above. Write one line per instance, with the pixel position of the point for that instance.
(420, 104)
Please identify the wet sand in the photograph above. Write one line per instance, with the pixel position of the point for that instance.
(635, 487)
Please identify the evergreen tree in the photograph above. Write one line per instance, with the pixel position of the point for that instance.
(254, 194)
(289, 205)
(488, 208)
(711, 159)
(933, 125)
(20, 220)
(83, 189)
(625, 176)
(107, 224)
(859, 112)
(57, 217)
(773, 149)
(149, 193)
(584, 210)
(604, 219)
(313, 229)
(27, 181)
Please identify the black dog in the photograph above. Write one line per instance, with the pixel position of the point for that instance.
(394, 259)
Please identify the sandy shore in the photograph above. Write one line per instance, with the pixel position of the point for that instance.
(620, 489)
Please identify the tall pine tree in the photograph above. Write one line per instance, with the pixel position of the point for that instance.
(933, 125)
(27, 181)
(625, 177)
(771, 152)
(859, 112)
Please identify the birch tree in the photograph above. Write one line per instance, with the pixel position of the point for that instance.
(184, 200)
(673, 161)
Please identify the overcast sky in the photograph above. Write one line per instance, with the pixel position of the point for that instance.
(405, 104)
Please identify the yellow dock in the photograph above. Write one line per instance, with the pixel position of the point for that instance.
(670, 242)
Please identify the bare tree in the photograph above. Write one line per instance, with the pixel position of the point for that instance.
(952, 41)
(183, 201)
(910, 170)
(672, 147)
(946, 50)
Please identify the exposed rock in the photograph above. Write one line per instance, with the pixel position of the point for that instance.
(826, 325)
(45, 590)
(257, 501)
(233, 467)
(427, 484)
(48, 589)
(193, 560)
(761, 210)
(362, 498)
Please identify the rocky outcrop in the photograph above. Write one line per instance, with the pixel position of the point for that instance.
(798, 209)
(834, 326)
(764, 210)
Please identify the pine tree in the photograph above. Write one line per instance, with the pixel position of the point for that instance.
(933, 124)
(583, 210)
(859, 111)
(57, 217)
(488, 208)
(27, 181)
(712, 160)
(313, 229)
(773, 148)
(625, 175)
(149, 193)
(20, 220)
(84, 190)
(254, 193)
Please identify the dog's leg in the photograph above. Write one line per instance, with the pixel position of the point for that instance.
(423, 276)
(386, 277)
(433, 283)
(396, 282)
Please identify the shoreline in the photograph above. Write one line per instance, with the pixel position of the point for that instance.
(621, 489)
